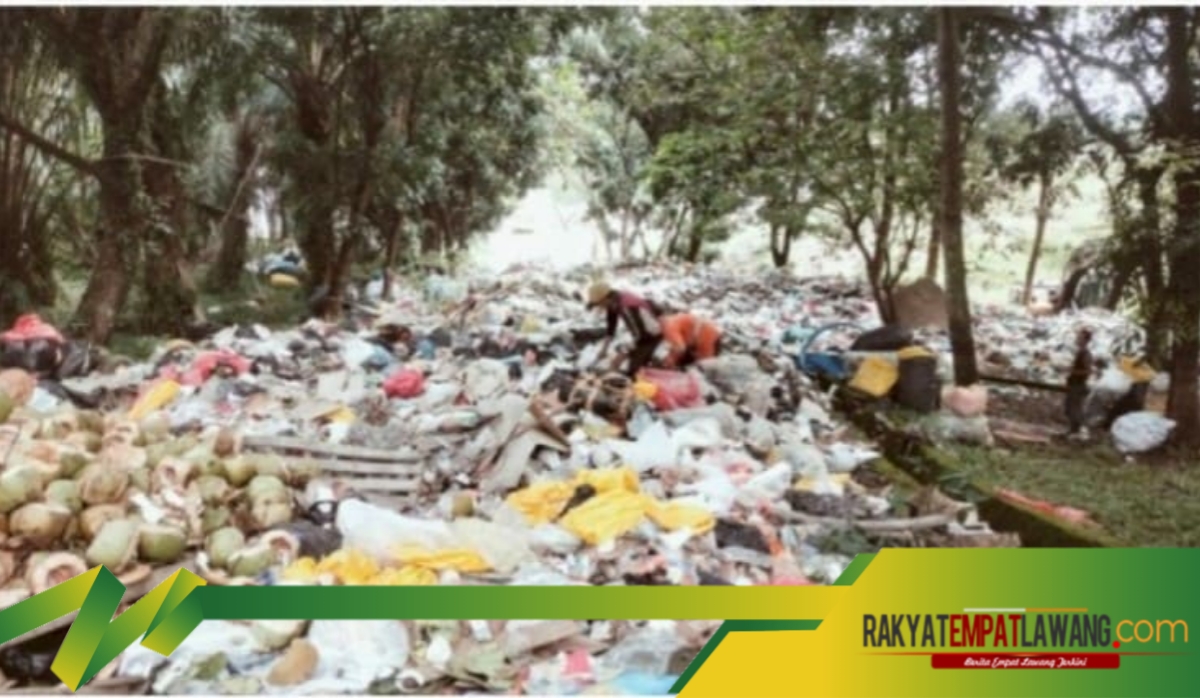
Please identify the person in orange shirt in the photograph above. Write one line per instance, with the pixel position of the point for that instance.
(690, 339)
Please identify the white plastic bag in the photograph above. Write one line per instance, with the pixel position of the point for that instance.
(843, 457)
(378, 532)
(653, 449)
(1139, 432)
(1113, 381)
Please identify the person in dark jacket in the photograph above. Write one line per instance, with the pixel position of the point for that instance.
(638, 315)
(1077, 381)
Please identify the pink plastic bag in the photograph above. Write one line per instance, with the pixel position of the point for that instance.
(968, 402)
(207, 364)
(31, 327)
(405, 383)
(676, 389)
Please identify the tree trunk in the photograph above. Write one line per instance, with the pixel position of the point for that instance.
(227, 270)
(121, 226)
(169, 296)
(880, 293)
(317, 241)
(695, 244)
(961, 340)
(933, 253)
(1042, 215)
(1183, 402)
(1149, 244)
(781, 245)
(390, 245)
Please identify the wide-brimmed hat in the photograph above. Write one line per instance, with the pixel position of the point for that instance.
(596, 293)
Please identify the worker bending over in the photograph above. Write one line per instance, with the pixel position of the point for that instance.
(638, 315)
(690, 339)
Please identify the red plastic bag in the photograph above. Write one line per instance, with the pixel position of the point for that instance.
(207, 364)
(29, 328)
(405, 383)
(676, 389)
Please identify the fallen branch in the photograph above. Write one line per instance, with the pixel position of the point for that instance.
(871, 525)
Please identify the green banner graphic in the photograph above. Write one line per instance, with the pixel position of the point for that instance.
(902, 622)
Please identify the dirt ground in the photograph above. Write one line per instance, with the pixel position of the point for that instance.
(1044, 408)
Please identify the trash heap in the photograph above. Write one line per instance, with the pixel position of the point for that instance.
(454, 434)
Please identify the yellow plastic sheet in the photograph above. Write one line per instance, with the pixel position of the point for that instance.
(674, 516)
(542, 501)
(341, 415)
(808, 484)
(875, 376)
(406, 576)
(1137, 371)
(618, 507)
(606, 516)
(466, 561)
(154, 399)
(350, 567)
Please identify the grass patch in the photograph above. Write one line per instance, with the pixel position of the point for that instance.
(1147, 503)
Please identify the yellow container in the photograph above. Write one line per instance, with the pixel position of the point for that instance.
(284, 281)
(914, 353)
(875, 376)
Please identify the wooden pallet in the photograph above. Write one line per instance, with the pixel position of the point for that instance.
(382, 476)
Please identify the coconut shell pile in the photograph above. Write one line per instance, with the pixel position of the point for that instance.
(80, 489)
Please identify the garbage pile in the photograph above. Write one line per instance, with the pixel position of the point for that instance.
(460, 434)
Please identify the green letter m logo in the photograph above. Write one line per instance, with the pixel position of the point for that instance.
(167, 615)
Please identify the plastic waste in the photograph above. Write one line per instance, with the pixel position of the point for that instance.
(647, 651)
(606, 517)
(354, 654)
(844, 457)
(405, 384)
(767, 486)
(454, 422)
(485, 379)
(282, 280)
(1140, 432)
(639, 421)
(673, 389)
(31, 327)
(1113, 382)
(875, 377)
(653, 449)
(426, 350)
(543, 502)
(1138, 371)
(31, 345)
(43, 401)
(504, 548)
(155, 398)
(380, 532)
(969, 401)
(680, 514)
(697, 434)
(358, 352)
(949, 427)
